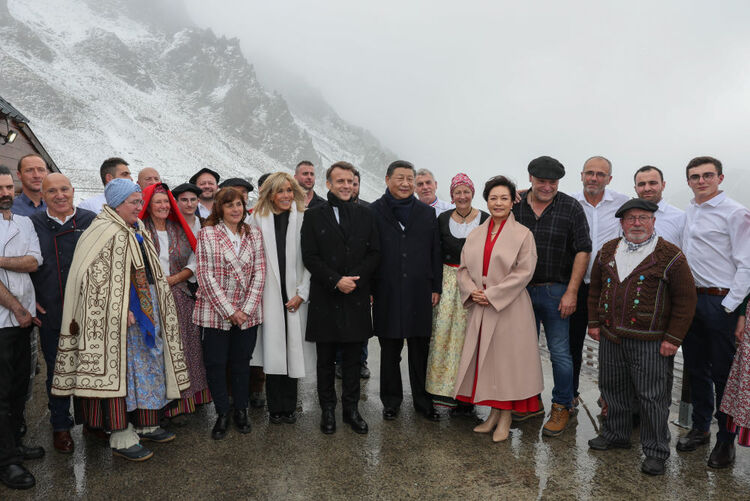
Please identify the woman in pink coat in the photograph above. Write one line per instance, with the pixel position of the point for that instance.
(500, 365)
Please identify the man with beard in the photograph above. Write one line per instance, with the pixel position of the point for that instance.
(208, 182)
(32, 170)
(58, 229)
(641, 303)
(599, 204)
(670, 221)
(340, 247)
(19, 255)
(304, 173)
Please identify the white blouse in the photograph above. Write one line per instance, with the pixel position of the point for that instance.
(462, 230)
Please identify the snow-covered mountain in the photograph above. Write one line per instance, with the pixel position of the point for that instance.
(135, 78)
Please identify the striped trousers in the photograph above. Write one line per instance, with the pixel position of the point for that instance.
(635, 369)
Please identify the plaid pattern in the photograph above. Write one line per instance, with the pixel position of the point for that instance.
(560, 233)
(229, 281)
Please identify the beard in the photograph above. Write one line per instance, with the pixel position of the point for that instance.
(6, 203)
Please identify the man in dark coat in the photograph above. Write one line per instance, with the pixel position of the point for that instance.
(340, 248)
(407, 286)
(58, 229)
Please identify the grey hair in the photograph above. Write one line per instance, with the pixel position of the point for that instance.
(599, 157)
(426, 172)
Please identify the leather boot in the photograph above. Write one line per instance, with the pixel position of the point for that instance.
(722, 456)
(355, 421)
(241, 421)
(328, 421)
(220, 428)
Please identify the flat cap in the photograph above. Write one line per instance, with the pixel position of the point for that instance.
(237, 182)
(636, 203)
(179, 190)
(546, 168)
(204, 170)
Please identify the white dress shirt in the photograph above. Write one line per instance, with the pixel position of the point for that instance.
(670, 223)
(627, 261)
(440, 206)
(603, 225)
(94, 204)
(67, 218)
(716, 242)
(203, 211)
(18, 238)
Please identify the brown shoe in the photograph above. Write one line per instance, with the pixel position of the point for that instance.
(62, 441)
(559, 419)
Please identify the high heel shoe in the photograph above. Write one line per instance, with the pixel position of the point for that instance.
(490, 424)
(503, 427)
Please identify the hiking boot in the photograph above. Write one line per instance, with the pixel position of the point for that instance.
(559, 419)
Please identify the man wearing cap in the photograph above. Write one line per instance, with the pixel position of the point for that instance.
(304, 173)
(670, 221)
(716, 242)
(111, 168)
(563, 247)
(208, 181)
(599, 204)
(59, 227)
(641, 302)
(187, 195)
(118, 295)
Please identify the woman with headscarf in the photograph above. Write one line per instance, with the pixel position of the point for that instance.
(231, 272)
(449, 317)
(285, 354)
(500, 365)
(118, 296)
(175, 243)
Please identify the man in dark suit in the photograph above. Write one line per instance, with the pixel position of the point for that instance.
(407, 286)
(340, 248)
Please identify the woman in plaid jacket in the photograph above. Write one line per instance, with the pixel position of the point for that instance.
(231, 272)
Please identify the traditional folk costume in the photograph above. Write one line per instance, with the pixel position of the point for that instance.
(736, 401)
(175, 247)
(449, 316)
(119, 374)
(500, 363)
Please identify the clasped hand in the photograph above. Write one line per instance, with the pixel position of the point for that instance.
(479, 297)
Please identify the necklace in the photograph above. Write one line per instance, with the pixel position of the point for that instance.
(471, 209)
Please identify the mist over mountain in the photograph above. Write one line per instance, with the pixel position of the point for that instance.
(138, 79)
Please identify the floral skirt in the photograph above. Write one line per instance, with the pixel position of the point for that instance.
(736, 400)
(447, 341)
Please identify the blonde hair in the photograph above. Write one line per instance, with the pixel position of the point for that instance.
(271, 186)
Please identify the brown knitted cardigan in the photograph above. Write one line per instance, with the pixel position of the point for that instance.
(655, 302)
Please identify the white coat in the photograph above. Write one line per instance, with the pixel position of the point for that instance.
(277, 350)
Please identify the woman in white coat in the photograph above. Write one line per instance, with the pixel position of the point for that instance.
(282, 348)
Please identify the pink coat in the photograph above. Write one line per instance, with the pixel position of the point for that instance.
(509, 363)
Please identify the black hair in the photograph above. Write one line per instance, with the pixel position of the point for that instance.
(647, 168)
(499, 181)
(303, 162)
(703, 160)
(341, 165)
(402, 164)
(109, 166)
(5, 171)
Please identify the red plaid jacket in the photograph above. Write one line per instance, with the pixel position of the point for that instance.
(229, 281)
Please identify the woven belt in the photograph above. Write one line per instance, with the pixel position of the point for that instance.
(712, 291)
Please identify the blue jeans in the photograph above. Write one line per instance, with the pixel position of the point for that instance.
(709, 350)
(545, 300)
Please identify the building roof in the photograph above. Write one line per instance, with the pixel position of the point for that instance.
(8, 110)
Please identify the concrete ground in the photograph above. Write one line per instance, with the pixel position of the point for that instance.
(410, 458)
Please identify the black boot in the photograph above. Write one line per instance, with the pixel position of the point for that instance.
(241, 421)
(328, 421)
(16, 476)
(220, 428)
(354, 419)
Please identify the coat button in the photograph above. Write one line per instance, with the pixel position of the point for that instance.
(404, 275)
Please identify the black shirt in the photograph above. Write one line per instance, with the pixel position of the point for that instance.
(560, 233)
(280, 225)
(450, 246)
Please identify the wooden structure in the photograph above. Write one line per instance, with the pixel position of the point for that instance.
(25, 142)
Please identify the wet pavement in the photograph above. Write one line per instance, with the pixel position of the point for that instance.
(409, 458)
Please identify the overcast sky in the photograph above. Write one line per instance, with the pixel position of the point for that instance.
(485, 86)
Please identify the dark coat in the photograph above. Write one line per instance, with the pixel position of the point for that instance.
(328, 255)
(57, 243)
(316, 201)
(410, 270)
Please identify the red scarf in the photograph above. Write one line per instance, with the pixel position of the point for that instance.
(174, 212)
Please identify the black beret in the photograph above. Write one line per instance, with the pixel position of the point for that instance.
(262, 178)
(636, 203)
(237, 182)
(186, 187)
(546, 168)
(204, 170)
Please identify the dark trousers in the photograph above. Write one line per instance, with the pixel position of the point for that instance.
(281, 393)
(391, 389)
(231, 348)
(709, 350)
(350, 360)
(362, 358)
(579, 322)
(635, 369)
(15, 371)
(59, 407)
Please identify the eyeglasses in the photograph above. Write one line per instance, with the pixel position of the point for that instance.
(640, 219)
(591, 173)
(136, 203)
(707, 176)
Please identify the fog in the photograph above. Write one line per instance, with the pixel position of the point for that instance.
(484, 87)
